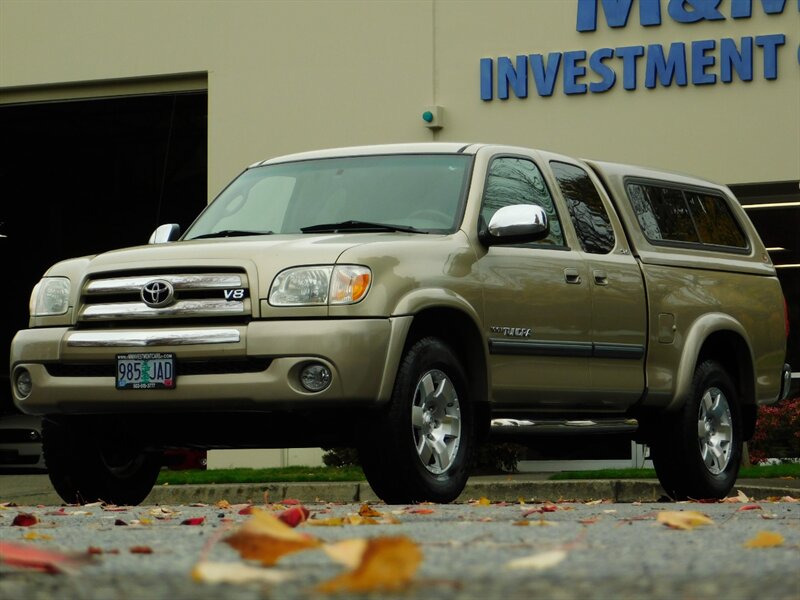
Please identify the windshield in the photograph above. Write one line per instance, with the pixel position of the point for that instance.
(420, 192)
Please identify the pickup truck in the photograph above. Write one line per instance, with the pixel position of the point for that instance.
(398, 299)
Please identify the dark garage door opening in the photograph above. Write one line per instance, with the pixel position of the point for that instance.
(85, 176)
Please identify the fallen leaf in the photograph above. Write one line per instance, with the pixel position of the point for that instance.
(247, 510)
(32, 557)
(291, 501)
(223, 504)
(25, 520)
(593, 502)
(522, 523)
(114, 508)
(359, 520)
(347, 552)
(329, 522)
(367, 511)
(294, 516)
(420, 511)
(193, 521)
(484, 501)
(589, 521)
(688, 519)
(264, 537)
(765, 539)
(539, 561)
(739, 497)
(546, 508)
(220, 572)
(749, 507)
(35, 535)
(387, 564)
(141, 550)
(788, 499)
(61, 512)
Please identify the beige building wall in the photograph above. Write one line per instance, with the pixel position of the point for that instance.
(284, 76)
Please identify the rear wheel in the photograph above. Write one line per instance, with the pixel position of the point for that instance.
(697, 451)
(87, 464)
(418, 449)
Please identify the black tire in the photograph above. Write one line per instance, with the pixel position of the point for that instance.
(396, 469)
(697, 451)
(84, 469)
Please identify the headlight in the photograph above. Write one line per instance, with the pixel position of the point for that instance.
(50, 297)
(321, 285)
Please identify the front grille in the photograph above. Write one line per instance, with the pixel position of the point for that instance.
(196, 297)
(182, 367)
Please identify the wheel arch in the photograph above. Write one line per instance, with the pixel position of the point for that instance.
(721, 338)
(460, 332)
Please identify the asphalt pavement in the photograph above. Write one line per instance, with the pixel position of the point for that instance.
(35, 489)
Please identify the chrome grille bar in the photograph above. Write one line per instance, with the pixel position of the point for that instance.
(174, 337)
(206, 281)
(182, 308)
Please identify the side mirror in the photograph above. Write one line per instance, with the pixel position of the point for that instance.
(165, 233)
(516, 224)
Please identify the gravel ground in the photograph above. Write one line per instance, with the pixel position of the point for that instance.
(617, 551)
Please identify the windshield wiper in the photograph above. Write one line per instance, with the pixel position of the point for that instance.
(364, 226)
(229, 233)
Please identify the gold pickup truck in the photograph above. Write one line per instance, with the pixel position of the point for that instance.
(398, 299)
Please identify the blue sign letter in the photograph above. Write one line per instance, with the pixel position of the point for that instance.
(517, 78)
(606, 72)
(617, 13)
(674, 67)
(732, 60)
(701, 10)
(770, 44)
(572, 71)
(700, 61)
(545, 78)
(486, 78)
(629, 54)
(743, 9)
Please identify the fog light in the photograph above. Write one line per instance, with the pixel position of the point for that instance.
(315, 377)
(23, 383)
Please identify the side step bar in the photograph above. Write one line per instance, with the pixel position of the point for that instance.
(524, 427)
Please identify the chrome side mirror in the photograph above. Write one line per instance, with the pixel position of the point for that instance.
(516, 224)
(165, 233)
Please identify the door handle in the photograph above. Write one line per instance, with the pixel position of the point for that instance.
(572, 276)
(600, 277)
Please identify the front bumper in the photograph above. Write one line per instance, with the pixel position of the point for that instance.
(72, 372)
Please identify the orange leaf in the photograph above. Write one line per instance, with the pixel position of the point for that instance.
(223, 504)
(765, 539)
(264, 537)
(367, 511)
(193, 521)
(387, 564)
(484, 501)
(749, 507)
(421, 511)
(688, 519)
(141, 550)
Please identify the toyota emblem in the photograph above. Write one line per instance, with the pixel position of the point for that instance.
(158, 293)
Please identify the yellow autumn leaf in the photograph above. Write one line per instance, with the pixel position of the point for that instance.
(35, 535)
(484, 501)
(538, 562)
(264, 537)
(347, 552)
(765, 539)
(387, 564)
(683, 519)
(221, 572)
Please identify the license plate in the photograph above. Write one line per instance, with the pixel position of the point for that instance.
(145, 371)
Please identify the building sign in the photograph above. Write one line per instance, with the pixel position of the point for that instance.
(698, 62)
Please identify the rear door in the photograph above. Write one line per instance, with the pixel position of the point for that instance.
(619, 315)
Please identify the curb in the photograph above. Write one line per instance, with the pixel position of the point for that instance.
(624, 491)
(497, 491)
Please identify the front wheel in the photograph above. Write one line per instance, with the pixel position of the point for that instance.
(418, 450)
(697, 451)
(88, 463)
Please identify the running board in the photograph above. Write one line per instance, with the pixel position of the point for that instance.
(523, 427)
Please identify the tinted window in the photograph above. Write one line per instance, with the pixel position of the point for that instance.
(714, 221)
(585, 208)
(519, 181)
(676, 215)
